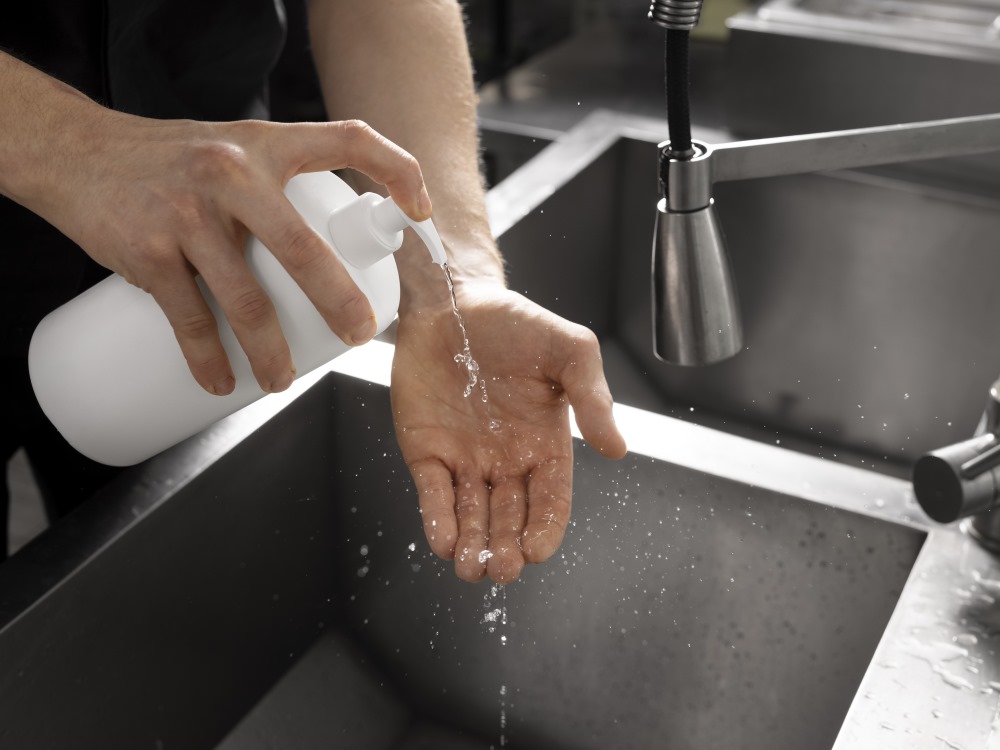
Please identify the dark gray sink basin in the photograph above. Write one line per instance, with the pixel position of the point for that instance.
(683, 606)
(683, 611)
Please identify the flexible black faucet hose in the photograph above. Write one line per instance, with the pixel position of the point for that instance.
(677, 82)
(678, 17)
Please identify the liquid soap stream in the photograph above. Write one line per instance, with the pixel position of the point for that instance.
(465, 357)
(493, 616)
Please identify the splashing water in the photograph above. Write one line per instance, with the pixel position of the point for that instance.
(494, 615)
(503, 715)
(495, 618)
(465, 357)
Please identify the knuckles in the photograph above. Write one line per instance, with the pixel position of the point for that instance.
(199, 326)
(356, 133)
(302, 250)
(251, 307)
(218, 162)
(587, 340)
(354, 307)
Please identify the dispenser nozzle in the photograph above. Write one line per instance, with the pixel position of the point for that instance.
(388, 217)
(370, 227)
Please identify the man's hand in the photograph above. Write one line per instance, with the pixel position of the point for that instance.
(160, 202)
(495, 479)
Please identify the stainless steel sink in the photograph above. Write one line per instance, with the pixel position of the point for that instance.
(971, 22)
(266, 583)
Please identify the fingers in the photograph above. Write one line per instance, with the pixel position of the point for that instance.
(311, 262)
(494, 529)
(582, 377)
(472, 512)
(550, 492)
(219, 259)
(436, 495)
(196, 332)
(455, 514)
(267, 213)
(312, 147)
(508, 511)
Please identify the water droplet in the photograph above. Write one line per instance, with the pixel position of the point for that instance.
(954, 680)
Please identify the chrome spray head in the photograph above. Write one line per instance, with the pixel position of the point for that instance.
(696, 315)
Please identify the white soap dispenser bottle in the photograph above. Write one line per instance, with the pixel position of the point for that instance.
(109, 374)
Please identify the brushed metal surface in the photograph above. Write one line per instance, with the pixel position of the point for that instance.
(802, 66)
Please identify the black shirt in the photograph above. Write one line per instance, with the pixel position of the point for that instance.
(199, 59)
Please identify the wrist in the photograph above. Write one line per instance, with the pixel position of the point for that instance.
(424, 285)
(56, 125)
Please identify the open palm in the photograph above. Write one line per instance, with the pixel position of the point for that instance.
(494, 468)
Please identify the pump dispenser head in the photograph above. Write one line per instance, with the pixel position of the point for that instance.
(371, 227)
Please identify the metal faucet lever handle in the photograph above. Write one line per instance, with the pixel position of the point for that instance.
(985, 461)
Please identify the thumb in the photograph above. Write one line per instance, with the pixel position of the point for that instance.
(318, 146)
(582, 377)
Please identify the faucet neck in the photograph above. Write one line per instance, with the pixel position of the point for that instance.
(686, 181)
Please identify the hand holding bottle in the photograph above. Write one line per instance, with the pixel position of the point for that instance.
(160, 202)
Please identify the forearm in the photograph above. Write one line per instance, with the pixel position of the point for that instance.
(404, 68)
(44, 123)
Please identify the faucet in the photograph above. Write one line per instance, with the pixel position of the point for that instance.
(695, 312)
(963, 480)
(696, 316)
